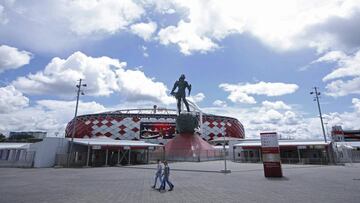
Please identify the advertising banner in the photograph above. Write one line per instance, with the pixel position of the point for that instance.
(271, 154)
(157, 130)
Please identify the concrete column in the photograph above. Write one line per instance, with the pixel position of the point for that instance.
(129, 156)
(2, 154)
(88, 156)
(106, 157)
(233, 153)
(93, 157)
(299, 156)
(21, 155)
(331, 154)
(260, 154)
(11, 155)
(118, 158)
(147, 155)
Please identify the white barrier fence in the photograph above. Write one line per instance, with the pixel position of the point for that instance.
(16, 158)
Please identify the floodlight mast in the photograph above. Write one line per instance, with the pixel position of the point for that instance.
(318, 104)
(79, 91)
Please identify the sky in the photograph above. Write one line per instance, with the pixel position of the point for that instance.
(255, 60)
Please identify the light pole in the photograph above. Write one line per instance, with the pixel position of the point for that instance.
(327, 129)
(225, 168)
(74, 120)
(318, 103)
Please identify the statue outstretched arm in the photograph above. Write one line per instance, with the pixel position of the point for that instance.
(173, 89)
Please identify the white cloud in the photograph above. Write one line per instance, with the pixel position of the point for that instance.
(348, 120)
(348, 66)
(339, 88)
(240, 97)
(61, 75)
(331, 56)
(356, 104)
(186, 37)
(162, 6)
(220, 103)
(275, 105)
(240, 92)
(67, 108)
(103, 76)
(346, 75)
(260, 119)
(144, 30)
(12, 58)
(197, 98)
(11, 99)
(136, 86)
(276, 113)
(288, 123)
(61, 25)
(88, 16)
(271, 116)
(145, 53)
(281, 24)
(47, 115)
(3, 18)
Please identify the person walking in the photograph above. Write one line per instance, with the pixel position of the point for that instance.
(165, 178)
(158, 173)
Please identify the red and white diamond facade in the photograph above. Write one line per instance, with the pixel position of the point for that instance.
(136, 124)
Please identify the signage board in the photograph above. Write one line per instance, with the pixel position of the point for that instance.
(301, 147)
(271, 154)
(269, 140)
(157, 130)
(96, 147)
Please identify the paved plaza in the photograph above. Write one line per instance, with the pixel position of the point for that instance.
(194, 182)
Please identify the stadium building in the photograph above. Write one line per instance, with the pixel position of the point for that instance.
(156, 125)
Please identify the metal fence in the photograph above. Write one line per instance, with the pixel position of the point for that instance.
(347, 156)
(77, 159)
(186, 155)
(355, 156)
(98, 158)
(18, 158)
(247, 159)
(321, 161)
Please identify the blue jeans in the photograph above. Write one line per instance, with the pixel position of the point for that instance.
(157, 176)
(164, 181)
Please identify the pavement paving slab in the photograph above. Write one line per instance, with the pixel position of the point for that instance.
(194, 182)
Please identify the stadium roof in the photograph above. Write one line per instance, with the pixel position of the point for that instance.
(348, 144)
(104, 141)
(143, 111)
(257, 143)
(146, 111)
(8, 145)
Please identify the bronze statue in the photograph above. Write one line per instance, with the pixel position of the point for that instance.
(181, 84)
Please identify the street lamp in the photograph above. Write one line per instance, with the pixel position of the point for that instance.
(224, 148)
(318, 103)
(79, 91)
(327, 129)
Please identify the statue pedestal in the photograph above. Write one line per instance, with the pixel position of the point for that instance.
(190, 147)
